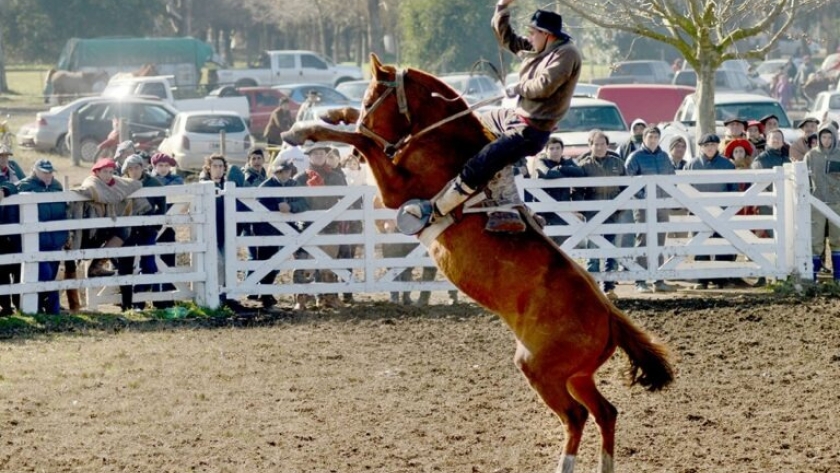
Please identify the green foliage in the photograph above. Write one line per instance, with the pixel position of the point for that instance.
(36, 30)
(447, 35)
(791, 287)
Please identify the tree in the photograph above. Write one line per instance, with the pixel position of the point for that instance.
(706, 33)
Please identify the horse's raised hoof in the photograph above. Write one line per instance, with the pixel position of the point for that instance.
(413, 216)
(291, 137)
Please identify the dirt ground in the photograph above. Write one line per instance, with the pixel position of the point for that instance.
(385, 388)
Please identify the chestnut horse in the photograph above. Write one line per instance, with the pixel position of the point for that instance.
(565, 327)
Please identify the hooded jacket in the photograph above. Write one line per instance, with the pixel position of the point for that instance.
(824, 167)
(632, 144)
(547, 79)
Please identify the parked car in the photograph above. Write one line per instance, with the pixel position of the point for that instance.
(585, 115)
(653, 103)
(475, 87)
(734, 105)
(140, 116)
(197, 134)
(49, 130)
(354, 90)
(827, 103)
(725, 81)
(261, 102)
(638, 72)
(741, 69)
(287, 67)
(329, 96)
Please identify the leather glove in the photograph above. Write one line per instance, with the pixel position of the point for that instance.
(315, 179)
(510, 91)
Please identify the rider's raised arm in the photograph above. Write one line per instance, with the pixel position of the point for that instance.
(504, 33)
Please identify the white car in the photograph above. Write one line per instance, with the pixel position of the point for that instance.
(475, 88)
(49, 130)
(733, 105)
(197, 134)
(827, 103)
(587, 114)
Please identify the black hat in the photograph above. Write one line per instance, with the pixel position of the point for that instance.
(734, 120)
(708, 138)
(767, 117)
(808, 119)
(548, 22)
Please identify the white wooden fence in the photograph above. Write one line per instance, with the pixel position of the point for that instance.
(702, 223)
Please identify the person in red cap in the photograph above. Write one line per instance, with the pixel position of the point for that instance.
(755, 133)
(108, 196)
(163, 168)
(740, 152)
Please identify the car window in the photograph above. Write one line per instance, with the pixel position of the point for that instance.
(688, 78)
(459, 84)
(214, 124)
(834, 102)
(154, 116)
(633, 69)
(308, 61)
(285, 61)
(93, 112)
(752, 111)
(155, 89)
(603, 117)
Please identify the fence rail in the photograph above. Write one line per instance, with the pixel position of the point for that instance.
(684, 224)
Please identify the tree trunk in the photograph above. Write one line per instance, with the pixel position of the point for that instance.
(374, 28)
(4, 85)
(706, 96)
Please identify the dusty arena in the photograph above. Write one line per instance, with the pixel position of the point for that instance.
(383, 388)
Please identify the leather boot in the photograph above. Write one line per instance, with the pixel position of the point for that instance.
(98, 268)
(456, 193)
(330, 301)
(502, 193)
(74, 302)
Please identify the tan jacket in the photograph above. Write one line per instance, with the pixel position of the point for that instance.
(547, 79)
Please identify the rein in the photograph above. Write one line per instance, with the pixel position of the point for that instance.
(398, 86)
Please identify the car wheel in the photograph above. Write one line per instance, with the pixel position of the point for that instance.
(62, 147)
(89, 148)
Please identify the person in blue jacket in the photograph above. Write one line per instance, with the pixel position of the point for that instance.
(42, 180)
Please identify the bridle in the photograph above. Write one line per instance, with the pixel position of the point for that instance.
(398, 86)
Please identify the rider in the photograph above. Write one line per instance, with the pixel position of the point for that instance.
(550, 69)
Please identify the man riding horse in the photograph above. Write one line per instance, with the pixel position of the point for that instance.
(550, 69)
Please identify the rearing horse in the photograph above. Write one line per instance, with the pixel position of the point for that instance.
(565, 327)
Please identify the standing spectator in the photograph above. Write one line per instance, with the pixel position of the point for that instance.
(735, 130)
(771, 122)
(312, 99)
(556, 166)
(254, 171)
(134, 168)
(824, 167)
(755, 134)
(601, 162)
(42, 180)
(800, 147)
(650, 160)
(711, 159)
(740, 152)
(163, 169)
(319, 174)
(108, 196)
(282, 177)
(677, 149)
(784, 91)
(10, 175)
(124, 150)
(637, 129)
(806, 68)
(281, 120)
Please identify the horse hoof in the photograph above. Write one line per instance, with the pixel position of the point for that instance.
(291, 138)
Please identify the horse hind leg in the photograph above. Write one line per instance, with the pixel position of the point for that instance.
(583, 389)
(552, 390)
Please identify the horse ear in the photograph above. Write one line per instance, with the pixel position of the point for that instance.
(376, 70)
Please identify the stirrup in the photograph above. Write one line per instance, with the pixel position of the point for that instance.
(414, 215)
(505, 222)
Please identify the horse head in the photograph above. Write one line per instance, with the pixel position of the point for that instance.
(423, 129)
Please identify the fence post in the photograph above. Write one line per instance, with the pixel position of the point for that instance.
(798, 224)
(30, 244)
(222, 143)
(207, 294)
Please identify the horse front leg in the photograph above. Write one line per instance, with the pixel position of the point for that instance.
(337, 116)
(304, 131)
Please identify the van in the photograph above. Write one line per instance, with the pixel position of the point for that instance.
(652, 103)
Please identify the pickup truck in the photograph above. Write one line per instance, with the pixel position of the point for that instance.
(161, 87)
(289, 67)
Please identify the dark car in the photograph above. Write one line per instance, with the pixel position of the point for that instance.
(638, 72)
(96, 120)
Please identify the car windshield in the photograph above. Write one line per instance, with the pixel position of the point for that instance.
(769, 67)
(353, 90)
(602, 117)
(752, 111)
(214, 124)
(457, 83)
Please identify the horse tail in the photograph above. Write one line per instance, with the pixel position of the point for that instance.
(649, 360)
